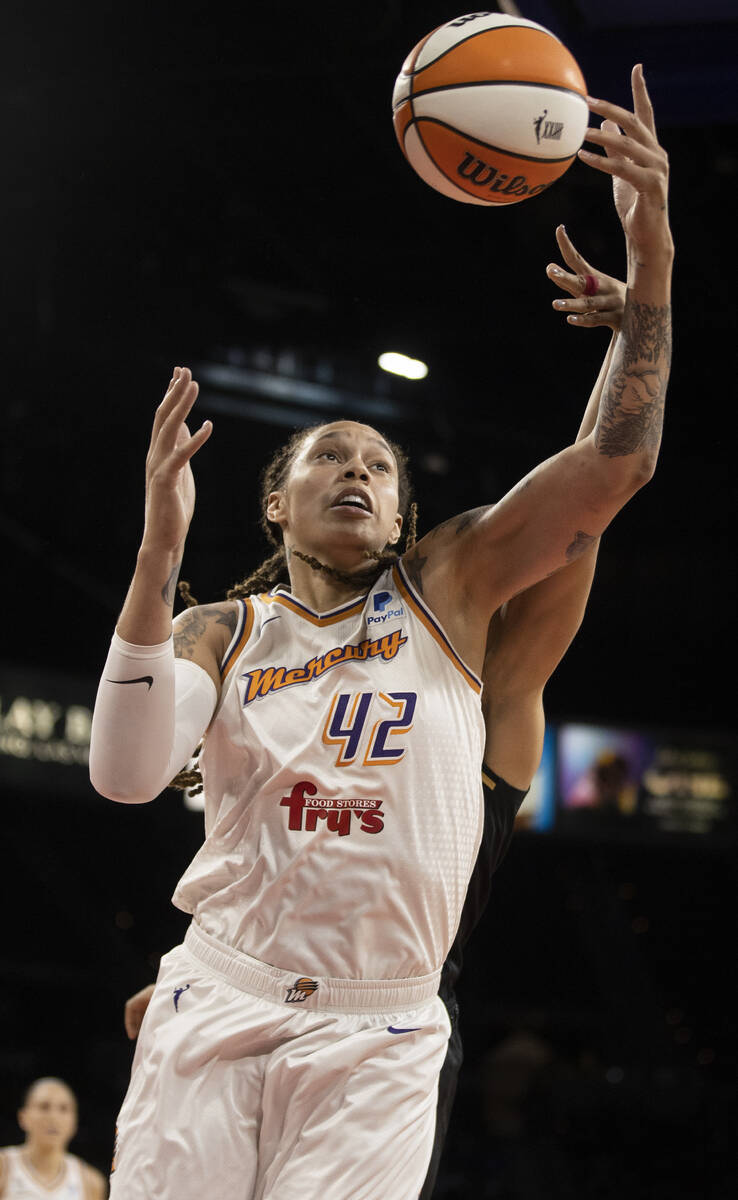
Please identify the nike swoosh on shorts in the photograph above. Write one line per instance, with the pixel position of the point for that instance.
(141, 679)
(392, 1029)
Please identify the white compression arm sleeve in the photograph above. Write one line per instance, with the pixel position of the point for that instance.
(150, 713)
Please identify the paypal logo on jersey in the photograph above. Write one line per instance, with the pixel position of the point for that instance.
(381, 602)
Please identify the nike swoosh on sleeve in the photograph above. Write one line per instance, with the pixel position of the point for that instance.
(149, 679)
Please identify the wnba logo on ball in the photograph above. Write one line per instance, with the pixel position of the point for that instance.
(547, 129)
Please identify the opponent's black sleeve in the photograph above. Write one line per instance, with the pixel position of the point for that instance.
(501, 804)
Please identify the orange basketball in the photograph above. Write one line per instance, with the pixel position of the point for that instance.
(490, 109)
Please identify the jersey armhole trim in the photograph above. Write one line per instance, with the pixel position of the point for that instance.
(433, 627)
(240, 637)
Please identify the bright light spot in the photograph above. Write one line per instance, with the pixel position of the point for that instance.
(400, 364)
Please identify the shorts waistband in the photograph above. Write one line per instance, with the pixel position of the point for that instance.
(311, 992)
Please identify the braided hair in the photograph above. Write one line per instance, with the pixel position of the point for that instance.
(273, 570)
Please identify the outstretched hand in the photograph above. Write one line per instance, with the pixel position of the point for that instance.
(597, 299)
(639, 166)
(170, 486)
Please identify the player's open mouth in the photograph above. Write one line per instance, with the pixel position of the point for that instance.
(353, 500)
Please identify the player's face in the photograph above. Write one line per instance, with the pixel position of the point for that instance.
(49, 1117)
(341, 493)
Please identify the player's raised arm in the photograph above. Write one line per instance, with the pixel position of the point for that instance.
(529, 635)
(471, 565)
(149, 717)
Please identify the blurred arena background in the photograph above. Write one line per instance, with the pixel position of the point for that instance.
(219, 185)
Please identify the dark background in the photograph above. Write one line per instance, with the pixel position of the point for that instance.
(219, 185)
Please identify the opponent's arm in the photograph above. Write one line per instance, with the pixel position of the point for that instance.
(471, 565)
(149, 715)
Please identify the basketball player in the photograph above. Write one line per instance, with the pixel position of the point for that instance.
(524, 646)
(41, 1167)
(293, 1043)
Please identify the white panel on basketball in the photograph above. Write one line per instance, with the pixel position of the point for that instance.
(401, 90)
(443, 38)
(504, 115)
(428, 170)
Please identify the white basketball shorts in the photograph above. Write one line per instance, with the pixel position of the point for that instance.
(251, 1083)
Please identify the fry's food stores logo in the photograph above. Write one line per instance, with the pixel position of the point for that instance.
(306, 808)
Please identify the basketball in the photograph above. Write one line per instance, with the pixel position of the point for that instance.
(490, 109)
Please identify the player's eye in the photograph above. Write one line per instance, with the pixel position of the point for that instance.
(328, 454)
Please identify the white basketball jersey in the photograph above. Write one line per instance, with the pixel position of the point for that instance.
(343, 802)
(22, 1184)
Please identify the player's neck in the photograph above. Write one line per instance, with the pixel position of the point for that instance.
(320, 591)
(45, 1161)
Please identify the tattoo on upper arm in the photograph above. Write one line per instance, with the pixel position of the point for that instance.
(582, 542)
(632, 406)
(467, 519)
(169, 591)
(461, 521)
(188, 633)
(228, 617)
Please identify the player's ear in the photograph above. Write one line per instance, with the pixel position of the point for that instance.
(395, 531)
(276, 509)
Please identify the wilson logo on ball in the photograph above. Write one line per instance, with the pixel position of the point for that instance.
(485, 175)
(476, 95)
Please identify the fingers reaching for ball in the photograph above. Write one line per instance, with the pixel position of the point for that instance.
(638, 165)
(596, 299)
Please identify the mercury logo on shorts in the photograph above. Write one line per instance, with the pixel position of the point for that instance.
(303, 802)
(301, 990)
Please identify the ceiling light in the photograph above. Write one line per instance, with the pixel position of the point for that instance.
(400, 364)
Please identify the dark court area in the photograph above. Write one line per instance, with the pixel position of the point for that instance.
(219, 186)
